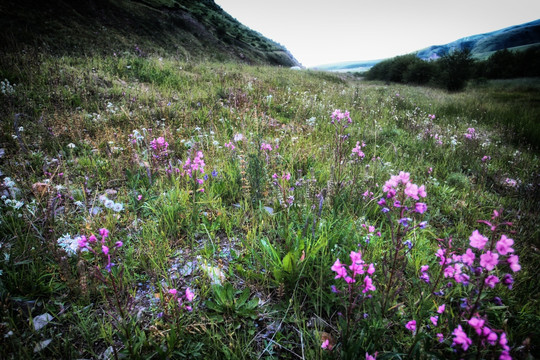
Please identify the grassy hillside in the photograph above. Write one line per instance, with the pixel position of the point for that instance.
(192, 30)
(215, 198)
(156, 203)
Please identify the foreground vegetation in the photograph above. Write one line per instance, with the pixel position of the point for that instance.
(163, 209)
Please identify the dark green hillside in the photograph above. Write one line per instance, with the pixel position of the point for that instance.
(193, 30)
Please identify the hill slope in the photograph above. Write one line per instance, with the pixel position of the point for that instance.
(483, 45)
(194, 30)
(518, 37)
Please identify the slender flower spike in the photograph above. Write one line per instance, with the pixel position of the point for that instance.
(105, 249)
(434, 320)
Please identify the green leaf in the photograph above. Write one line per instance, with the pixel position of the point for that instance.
(288, 262)
(243, 298)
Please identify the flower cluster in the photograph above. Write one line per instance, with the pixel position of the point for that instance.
(481, 264)
(182, 299)
(400, 189)
(470, 134)
(266, 147)
(338, 116)
(191, 167)
(479, 260)
(69, 244)
(101, 247)
(285, 195)
(159, 148)
(358, 150)
(357, 267)
(6, 88)
(110, 204)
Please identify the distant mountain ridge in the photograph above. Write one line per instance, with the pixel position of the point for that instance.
(518, 37)
(189, 29)
(483, 45)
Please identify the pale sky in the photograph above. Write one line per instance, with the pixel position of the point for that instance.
(321, 32)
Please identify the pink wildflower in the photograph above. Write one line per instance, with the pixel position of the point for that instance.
(477, 324)
(434, 320)
(468, 257)
(491, 281)
(368, 285)
(411, 325)
(513, 262)
(489, 260)
(460, 338)
(411, 190)
(420, 208)
(325, 344)
(441, 308)
(478, 240)
(489, 335)
(104, 233)
(371, 357)
(189, 295)
(339, 268)
(503, 246)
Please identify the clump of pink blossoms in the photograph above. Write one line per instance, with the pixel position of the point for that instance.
(357, 267)
(195, 168)
(181, 299)
(103, 248)
(159, 148)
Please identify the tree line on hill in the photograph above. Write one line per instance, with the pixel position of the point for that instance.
(453, 70)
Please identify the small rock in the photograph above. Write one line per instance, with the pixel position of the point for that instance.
(42, 320)
(42, 345)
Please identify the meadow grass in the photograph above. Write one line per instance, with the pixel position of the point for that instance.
(281, 196)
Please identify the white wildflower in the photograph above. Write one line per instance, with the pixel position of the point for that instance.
(117, 207)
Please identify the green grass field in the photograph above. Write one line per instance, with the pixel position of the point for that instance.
(227, 194)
